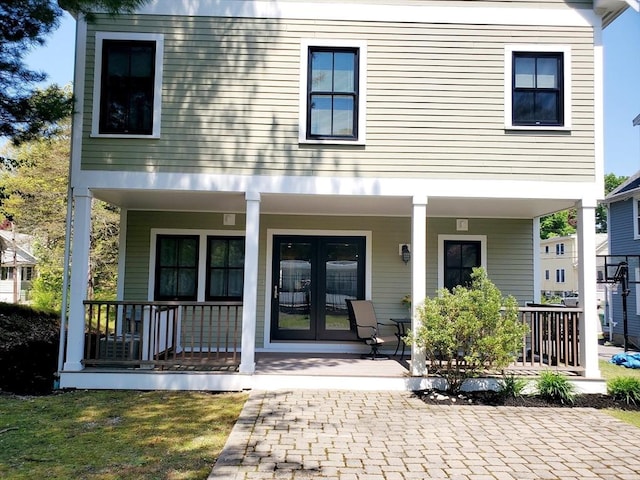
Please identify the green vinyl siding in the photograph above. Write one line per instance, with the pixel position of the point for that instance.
(434, 106)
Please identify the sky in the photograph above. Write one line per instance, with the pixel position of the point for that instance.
(621, 84)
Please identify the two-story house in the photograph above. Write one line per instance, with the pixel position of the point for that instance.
(273, 159)
(559, 265)
(623, 219)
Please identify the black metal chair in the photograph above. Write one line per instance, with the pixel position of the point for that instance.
(363, 321)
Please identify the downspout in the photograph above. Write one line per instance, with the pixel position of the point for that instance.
(65, 281)
(76, 124)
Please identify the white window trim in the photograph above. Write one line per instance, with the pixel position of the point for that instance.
(202, 255)
(472, 238)
(97, 79)
(509, 50)
(636, 212)
(362, 89)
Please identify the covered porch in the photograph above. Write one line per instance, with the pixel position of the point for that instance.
(227, 345)
(169, 344)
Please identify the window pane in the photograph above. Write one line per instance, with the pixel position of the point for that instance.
(343, 116)
(469, 255)
(167, 282)
(186, 282)
(167, 252)
(321, 69)
(235, 283)
(321, 115)
(344, 73)
(547, 76)
(142, 61)
(524, 72)
(453, 256)
(216, 283)
(236, 253)
(523, 107)
(188, 252)
(217, 253)
(547, 107)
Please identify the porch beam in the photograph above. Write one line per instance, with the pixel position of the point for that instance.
(79, 274)
(250, 292)
(587, 287)
(418, 277)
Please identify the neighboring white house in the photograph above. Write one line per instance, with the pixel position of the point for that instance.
(18, 267)
(559, 271)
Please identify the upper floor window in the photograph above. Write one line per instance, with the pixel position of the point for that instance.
(546, 274)
(546, 249)
(332, 92)
(560, 275)
(127, 87)
(559, 248)
(537, 87)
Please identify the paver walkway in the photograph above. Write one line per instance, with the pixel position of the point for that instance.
(394, 436)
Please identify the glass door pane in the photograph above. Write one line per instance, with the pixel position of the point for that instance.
(292, 291)
(342, 281)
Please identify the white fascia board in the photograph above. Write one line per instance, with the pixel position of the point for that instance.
(401, 187)
(616, 4)
(471, 15)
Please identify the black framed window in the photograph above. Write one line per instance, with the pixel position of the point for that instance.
(332, 93)
(127, 87)
(225, 268)
(460, 258)
(176, 276)
(538, 89)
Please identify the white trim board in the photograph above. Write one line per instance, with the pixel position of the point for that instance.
(471, 15)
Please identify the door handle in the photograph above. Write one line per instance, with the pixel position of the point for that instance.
(275, 292)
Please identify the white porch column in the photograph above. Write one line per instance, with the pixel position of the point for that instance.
(418, 276)
(587, 287)
(79, 276)
(537, 264)
(250, 292)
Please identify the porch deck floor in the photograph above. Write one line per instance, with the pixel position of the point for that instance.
(329, 364)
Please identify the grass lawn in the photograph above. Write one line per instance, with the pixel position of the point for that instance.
(115, 434)
(610, 371)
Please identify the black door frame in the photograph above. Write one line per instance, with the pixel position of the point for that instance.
(319, 245)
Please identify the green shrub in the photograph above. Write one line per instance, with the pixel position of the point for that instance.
(511, 386)
(28, 349)
(469, 330)
(555, 387)
(625, 388)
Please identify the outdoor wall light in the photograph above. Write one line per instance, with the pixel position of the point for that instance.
(406, 254)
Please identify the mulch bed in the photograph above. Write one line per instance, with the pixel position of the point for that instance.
(598, 401)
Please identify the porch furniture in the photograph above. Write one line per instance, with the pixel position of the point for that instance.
(401, 325)
(362, 318)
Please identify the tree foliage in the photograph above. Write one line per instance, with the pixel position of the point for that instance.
(468, 330)
(563, 223)
(611, 182)
(34, 184)
(27, 113)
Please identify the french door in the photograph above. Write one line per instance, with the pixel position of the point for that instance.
(312, 277)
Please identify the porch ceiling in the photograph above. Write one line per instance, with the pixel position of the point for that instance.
(352, 205)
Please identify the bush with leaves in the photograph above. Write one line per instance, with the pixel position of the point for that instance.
(555, 387)
(469, 330)
(625, 388)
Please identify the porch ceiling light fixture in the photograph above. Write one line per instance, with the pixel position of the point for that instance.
(406, 254)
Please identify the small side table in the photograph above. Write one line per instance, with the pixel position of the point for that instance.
(401, 325)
